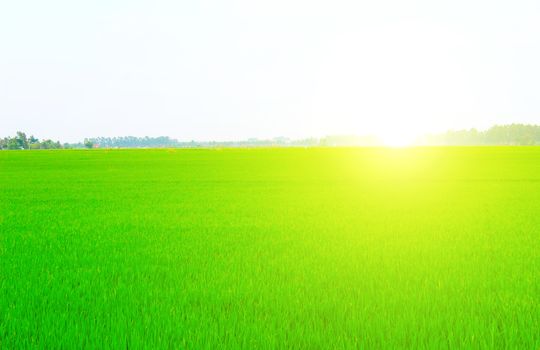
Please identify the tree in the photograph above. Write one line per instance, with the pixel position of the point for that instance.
(13, 143)
(88, 143)
(22, 140)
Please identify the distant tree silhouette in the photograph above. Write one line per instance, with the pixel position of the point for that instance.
(88, 143)
(21, 141)
(513, 134)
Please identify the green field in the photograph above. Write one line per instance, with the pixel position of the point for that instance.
(271, 248)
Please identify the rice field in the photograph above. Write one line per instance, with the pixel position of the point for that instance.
(316, 248)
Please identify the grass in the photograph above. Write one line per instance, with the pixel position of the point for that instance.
(270, 248)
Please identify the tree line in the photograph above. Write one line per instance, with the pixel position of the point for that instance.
(132, 142)
(21, 141)
(512, 134)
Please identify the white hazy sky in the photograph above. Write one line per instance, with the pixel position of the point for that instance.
(245, 68)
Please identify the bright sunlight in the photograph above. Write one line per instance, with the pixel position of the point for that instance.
(397, 138)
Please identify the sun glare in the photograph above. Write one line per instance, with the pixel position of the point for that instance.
(397, 139)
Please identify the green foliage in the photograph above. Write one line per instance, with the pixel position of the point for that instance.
(271, 248)
(132, 142)
(513, 134)
(49, 144)
(13, 143)
(88, 143)
(21, 141)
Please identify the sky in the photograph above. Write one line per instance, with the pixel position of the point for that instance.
(235, 69)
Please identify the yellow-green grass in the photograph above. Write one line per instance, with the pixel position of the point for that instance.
(271, 248)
